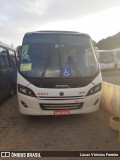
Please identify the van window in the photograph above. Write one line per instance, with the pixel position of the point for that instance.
(12, 58)
(4, 62)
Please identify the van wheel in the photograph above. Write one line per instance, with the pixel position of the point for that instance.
(12, 91)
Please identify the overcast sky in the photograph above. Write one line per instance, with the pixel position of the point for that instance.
(99, 18)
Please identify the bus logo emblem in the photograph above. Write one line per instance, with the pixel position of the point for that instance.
(61, 93)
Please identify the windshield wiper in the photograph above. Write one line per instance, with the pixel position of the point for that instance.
(46, 65)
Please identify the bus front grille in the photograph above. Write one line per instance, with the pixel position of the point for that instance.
(69, 106)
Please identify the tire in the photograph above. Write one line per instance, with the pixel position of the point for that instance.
(12, 91)
(114, 123)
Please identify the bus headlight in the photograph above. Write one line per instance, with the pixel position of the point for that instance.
(95, 89)
(26, 91)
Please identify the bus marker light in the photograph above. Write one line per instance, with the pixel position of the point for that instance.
(42, 94)
(82, 92)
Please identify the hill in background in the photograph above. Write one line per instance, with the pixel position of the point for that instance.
(111, 42)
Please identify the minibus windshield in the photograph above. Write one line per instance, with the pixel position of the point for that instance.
(62, 56)
(106, 57)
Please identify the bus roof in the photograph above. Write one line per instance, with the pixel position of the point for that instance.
(6, 46)
(58, 32)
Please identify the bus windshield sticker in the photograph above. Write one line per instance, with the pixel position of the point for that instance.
(26, 56)
(24, 51)
(66, 72)
(26, 67)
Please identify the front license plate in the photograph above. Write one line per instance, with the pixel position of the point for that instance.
(61, 112)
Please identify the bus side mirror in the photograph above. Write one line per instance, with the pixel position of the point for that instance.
(18, 50)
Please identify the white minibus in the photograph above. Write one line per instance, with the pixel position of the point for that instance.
(58, 74)
(106, 59)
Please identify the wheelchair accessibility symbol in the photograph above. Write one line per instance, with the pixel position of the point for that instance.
(66, 72)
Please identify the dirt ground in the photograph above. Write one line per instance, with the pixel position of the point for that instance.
(75, 132)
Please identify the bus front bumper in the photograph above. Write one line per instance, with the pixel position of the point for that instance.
(32, 105)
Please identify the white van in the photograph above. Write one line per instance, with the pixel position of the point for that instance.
(8, 71)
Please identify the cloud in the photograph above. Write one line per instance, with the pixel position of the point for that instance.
(44, 11)
(18, 17)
